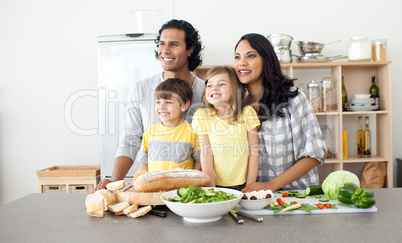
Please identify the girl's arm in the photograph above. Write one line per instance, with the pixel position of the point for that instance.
(253, 158)
(143, 166)
(293, 173)
(197, 166)
(207, 159)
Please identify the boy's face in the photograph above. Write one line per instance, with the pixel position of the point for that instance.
(169, 111)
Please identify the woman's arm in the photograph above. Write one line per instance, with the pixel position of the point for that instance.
(207, 158)
(293, 173)
(253, 158)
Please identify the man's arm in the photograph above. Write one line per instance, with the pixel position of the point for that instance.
(122, 165)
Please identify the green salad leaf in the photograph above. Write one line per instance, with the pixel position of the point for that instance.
(199, 195)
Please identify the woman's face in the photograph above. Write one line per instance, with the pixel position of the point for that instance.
(248, 63)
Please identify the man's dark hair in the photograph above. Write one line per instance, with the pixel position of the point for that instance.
(192, 39)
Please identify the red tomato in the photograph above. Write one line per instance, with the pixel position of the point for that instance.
(280, 202)
(328, 205)
(320, 206)
(285, 194)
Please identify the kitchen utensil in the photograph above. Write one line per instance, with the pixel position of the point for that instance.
(361, 96)
(202, 212)
(281, 44)
(127, 186)
(158, 213)
(314, 57)
(236, 217)
(250, 216)
(254, 204)
(311, 201)
(312, 47)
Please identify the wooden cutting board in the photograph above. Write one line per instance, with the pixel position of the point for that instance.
(142, 198)
(312, 201)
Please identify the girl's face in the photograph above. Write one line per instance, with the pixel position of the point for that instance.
(218, 89)
(248, 63)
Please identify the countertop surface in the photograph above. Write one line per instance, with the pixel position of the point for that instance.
(62, 217)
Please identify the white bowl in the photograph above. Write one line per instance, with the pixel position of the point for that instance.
(254, 204)
(361, 96)
(202, 212)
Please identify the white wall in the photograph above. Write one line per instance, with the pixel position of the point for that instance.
(48, 53)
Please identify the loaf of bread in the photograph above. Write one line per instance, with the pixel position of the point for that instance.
(95, 205)
(138, 174)
(170, 179)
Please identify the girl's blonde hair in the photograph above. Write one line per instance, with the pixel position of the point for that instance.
(236, 101)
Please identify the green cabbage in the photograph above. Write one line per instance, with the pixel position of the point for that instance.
(335, 181)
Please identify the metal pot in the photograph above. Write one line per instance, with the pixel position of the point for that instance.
(281, 44)
(309, 47)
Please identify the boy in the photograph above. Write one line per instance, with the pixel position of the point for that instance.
(170, 143)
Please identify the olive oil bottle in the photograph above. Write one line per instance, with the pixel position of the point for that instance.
(344, 95)
(374, 91)
(360, 139)
(367, 140)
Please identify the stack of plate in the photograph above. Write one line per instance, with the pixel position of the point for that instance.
(362, 102)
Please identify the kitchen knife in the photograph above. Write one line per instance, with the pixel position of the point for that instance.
(125, 187)
(250, 216)
(159, 213)
(236, 217)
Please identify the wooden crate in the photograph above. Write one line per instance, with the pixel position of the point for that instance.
(68, 179)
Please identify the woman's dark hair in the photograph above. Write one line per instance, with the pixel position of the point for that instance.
(192, 39)
(276, 85)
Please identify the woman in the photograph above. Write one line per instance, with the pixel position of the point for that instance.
(291, 144)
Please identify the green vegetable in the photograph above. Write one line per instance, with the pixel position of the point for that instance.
(314, 190)
(345, 205)
(346, 192)
(336, 180)
(324, 200)
(199, 195)
(182, 191)
(363, 198)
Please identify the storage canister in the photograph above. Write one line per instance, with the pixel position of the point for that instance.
(314, 95)
(328, 95)
(379, 50)
(359, 49)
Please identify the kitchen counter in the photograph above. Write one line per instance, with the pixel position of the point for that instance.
(62, 217)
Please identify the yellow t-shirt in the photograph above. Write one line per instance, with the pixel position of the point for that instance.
(165, 148)
(229, 143)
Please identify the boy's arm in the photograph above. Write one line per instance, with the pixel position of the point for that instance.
(207, 159)
(253, 158)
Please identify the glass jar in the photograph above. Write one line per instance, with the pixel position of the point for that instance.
(328, 95)
(328, 138)
(379, 50)
(359, 49)
(314, 95)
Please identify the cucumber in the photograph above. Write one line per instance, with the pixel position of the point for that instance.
(181, 191)
(314, 190)
(323, 200)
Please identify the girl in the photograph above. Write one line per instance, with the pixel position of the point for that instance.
(291, 144)
(227, 131)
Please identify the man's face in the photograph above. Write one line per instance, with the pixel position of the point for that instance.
(172, 50)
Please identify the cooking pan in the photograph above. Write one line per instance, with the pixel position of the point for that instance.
(312, 47)
(311, 58)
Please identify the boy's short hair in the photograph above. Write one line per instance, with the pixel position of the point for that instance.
(174, 87)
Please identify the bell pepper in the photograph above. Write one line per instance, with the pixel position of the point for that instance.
(346, 192)
(363, 198)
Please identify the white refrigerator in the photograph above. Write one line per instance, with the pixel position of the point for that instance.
(123, 60)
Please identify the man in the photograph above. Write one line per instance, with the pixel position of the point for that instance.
(179, 51)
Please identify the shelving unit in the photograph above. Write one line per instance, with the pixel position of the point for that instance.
(357, 80)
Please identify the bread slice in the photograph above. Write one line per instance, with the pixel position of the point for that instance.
(108, 197)
(95, 205)
(140, 212)
(116, 185)
(118, 207)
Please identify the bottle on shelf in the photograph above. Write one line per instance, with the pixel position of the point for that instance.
(314, 95)
(367, 139)
(360, 139)
(374, 91)
(344, 95)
